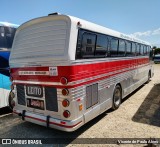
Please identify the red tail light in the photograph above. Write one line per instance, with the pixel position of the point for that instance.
(65, 92)
(66, 114)
(65, 103)
(64, 81)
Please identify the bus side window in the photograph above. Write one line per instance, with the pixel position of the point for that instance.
(101, 46)
(133, 49)
(114, 47)
(121, 48)
(88, 45)
(141, 51)
(128, 48)
(145, 50)
(138, 49)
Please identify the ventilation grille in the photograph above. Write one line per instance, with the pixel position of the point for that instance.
(51, 99)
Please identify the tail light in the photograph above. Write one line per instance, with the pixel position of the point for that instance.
(65, 92)
(65, 103)
(66, 114)
(64, 81)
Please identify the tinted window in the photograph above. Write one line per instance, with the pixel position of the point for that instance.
(6, 36)
(133, 48)
(141, 51)
(128, 48)
(88, 45)
(145, 50)
(121, 49)
(101, 46)
(114, 47)
(138, 49)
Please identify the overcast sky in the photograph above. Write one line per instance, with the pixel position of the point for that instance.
(140, 18)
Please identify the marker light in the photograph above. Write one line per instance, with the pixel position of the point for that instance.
(78, 23)
(80, 107)
(65, 92)
(66, 114)
(64, 81)
(65, 103)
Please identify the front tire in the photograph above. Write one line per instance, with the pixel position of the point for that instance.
(117, 97)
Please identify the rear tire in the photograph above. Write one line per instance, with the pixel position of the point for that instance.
(117, 97)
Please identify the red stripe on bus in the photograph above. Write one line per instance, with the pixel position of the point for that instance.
(78, 72)
(80, 84)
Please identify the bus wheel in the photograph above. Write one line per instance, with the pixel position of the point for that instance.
(117, 97)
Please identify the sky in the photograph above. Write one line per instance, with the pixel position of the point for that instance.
(139, 18)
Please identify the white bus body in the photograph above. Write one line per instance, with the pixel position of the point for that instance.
(66, 71)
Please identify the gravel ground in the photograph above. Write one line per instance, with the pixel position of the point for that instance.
(138, 117)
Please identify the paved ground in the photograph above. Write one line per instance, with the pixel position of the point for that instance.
(138, 117)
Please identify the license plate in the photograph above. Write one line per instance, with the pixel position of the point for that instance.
(38, 104)
(35, 91)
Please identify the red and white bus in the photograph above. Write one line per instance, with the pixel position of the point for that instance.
(66, 71)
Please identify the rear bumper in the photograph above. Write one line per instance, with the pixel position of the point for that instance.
(50, 122)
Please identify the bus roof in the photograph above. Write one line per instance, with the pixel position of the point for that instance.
(9, 24)
(94, 27)
(104, 30)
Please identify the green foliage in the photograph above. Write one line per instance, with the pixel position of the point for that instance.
(154, 47)
(157, 51)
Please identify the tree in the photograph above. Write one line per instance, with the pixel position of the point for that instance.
(157, 51)
(154, 47)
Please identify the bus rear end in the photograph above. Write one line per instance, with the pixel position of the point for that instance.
(40, 73)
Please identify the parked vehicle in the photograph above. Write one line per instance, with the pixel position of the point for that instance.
(7, 32)
(66, 71)
(157, 58)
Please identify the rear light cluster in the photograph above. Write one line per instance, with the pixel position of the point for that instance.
(65, 92)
